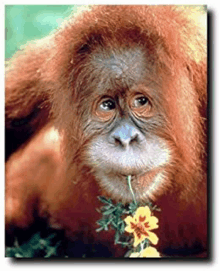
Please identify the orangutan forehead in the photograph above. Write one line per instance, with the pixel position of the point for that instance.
(124, 66)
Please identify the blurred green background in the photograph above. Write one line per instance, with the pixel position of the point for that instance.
(24, 23)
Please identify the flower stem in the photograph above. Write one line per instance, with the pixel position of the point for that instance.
(142, 246)
(130, 187)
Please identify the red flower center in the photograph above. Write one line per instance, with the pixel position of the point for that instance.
(140, 228)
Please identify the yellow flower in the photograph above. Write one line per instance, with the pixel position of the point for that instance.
(149, 252)
(141, 225)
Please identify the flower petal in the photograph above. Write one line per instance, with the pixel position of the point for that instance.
(143, 211)
(153, 238)
(129, 229)
(150, 252)
(129, 219)
(153, 220)
(135, 255)
(138, 240)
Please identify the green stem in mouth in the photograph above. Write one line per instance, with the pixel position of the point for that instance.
(130, 187)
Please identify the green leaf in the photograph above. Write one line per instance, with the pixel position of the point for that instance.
(104, 200)
(51, 252)
(116, 237)
(106, 228)
(107, 212)
(99, 229)
(122, 227)
(114, 224)
(18, 255)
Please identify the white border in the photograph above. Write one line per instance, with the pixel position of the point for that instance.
(7, 264)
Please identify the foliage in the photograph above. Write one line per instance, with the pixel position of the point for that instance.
(35, 247)
(116, 216)
(112, 216)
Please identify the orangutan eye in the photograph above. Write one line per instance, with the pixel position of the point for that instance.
(108, 105)
(140, 101)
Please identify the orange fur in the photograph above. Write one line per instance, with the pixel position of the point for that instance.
(47, 168)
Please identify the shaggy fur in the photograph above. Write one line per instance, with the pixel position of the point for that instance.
(50, 88)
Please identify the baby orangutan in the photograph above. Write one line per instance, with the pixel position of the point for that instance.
(117, 91)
